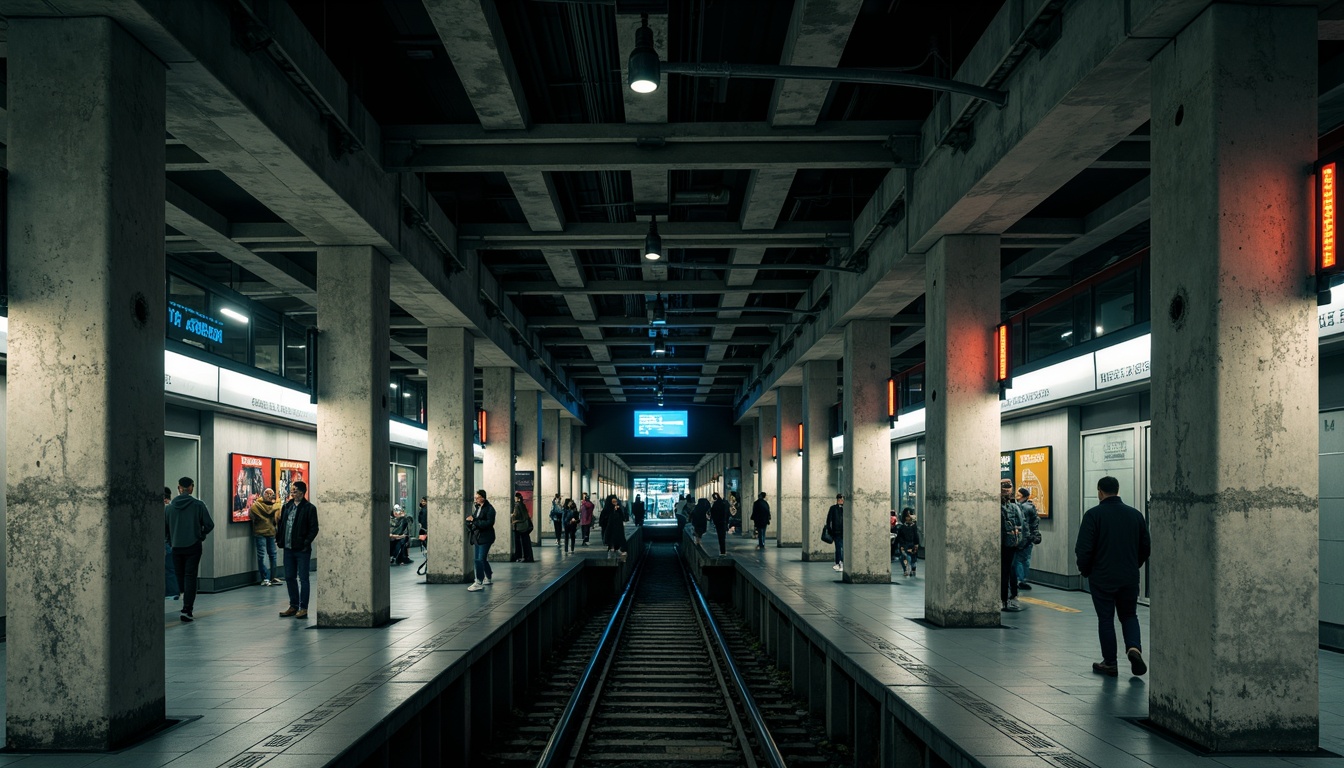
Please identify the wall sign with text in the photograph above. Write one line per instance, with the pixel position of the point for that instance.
(1032, 470)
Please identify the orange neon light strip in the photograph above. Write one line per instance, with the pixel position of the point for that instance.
(480, 424)
(774, 447)
(800, 437)
(1329, 246)
(891, 397)
(1001, 353)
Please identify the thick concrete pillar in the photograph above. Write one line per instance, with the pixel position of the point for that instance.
(566, 453)
(85, 405)
(352, 588)
(1234, 437)
(497, 400)
(575, 451)
(961, 498)
(769, 467)
(747, 462)
(550, 459)
(788, 509)
(867, 459)
(528, 449)
(819, 386)
(452, 461)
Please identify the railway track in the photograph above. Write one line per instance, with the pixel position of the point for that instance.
(667, 696)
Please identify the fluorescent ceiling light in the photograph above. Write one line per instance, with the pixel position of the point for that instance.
(233, 314)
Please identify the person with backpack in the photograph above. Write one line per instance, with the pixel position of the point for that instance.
(1013, 532)
(1022, 561)
(571, 523)
(557, 518)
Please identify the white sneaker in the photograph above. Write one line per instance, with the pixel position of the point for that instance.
(476, 586)
(265, 582)
(487, 581)
(837, 567)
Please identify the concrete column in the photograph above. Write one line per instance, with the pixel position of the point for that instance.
(452, 462)
(85, 405)
(747, 463)
(1234, 437)
(867, 366)
(819, 386)
(769, 468)
(528, 416)
(566, 454)
(550, 463)
(352, 588)
(788, 508)
(497, 400)
(575, 451)
(961, 497)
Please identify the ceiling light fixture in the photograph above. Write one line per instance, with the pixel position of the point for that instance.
(643, 64)
(659, 347)
(659, 312)
(653, 244)
(234, 314)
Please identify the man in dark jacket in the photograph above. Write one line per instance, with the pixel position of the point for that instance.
(294, 534)
(638, 510)
(760, 517)
(1113, 545)
(481, 522)
(1022, 560)
(700, 518)
(719, 513)
(835, 523)
(1014, 531)
(186, 523)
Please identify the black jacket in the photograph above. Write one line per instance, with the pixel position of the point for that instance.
(760, 513)
(835, 520)
(484, 524)
(1112, 545)
(305, 526)
(907, 536)
(700, 515)
(718, 512)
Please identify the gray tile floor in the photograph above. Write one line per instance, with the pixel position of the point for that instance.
(250, 676)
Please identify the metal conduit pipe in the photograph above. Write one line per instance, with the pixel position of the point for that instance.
(840, 74)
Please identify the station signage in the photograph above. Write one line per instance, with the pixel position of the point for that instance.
(187, 321)
(1125, 363)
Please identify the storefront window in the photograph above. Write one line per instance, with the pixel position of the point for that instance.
(236, 343)
(1116, 301)
(189, 318)
(266, 344)
(296, 354)
(1059, 327)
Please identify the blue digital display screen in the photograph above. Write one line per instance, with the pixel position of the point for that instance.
(183, 318)
(660, 423)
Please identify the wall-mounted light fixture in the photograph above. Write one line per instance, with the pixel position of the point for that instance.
(1002, 358)
(1327, 229)
(800, 438)
(481, 424)
(891, 400)
(774, 447)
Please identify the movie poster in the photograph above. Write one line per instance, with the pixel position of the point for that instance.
(522, 483)
(250, 476)
(288, 472)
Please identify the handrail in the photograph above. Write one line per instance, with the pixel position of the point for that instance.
(561, 741)
(767, 742)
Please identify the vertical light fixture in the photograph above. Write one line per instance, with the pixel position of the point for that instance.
(1327, 230)
(653, 244)
(800, 438)
(891, 400)
(1002, 363)
(481, 424)
(774, 447)
(643, 65)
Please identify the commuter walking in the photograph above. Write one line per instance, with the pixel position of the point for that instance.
(760, 517)
(558, 519)
(907, 541)
(571, 524)
(719, 512)
(612, 521)
(1022, 560)
(1113, 545)
(186, 524)
(586, 517)
(170, 588)
(700, 519)
(638, 509)
(481, 523)
(835, 523)
(521, 523)
(294, 534)
(265, 513)
(1013, 524)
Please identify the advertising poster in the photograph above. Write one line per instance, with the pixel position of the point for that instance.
(1033, 472)
(908, 489)
(522, 483)
(288, 472)
(250, 477)
(1006, 466)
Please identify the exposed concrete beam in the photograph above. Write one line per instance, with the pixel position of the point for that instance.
(474, 39)
(740, 341)
(677, 321)
(555, 134)
(675, 234)
(565, 267)
(621, 156)
(536, 195)
(627, 287)
(629, 362)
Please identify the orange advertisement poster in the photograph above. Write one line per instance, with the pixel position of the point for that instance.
(1031, 468)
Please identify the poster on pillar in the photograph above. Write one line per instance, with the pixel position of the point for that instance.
(251, 475)
(1006, 465)
(287, 473)
(1032, 471)
(522, 483)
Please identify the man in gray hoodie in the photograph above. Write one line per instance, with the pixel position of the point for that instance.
(186, 524)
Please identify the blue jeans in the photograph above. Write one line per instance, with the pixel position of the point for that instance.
(839, 550)
(760, 536)
(265, 548)
(1125, 602)
(1022, 563)
(296, 577)
(483, 570)
(908, 559)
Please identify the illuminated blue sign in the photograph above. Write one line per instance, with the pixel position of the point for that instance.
(187, 320)
(660, 423)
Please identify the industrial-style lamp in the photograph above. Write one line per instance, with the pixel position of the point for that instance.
(643, 64)
(800, 438)
(891, 400)
(659, 346)
(653, 244)
(480, 425)
(1002, 365)
(659, 316)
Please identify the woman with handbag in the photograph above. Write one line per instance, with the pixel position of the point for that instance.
(521, 522)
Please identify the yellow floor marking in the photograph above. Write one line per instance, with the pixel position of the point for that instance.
(1048, 604)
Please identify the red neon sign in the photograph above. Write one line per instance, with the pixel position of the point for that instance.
(891, 398)
(800, 438)
(1329, 246)
(1001, 353)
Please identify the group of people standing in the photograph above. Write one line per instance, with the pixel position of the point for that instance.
(700, 513)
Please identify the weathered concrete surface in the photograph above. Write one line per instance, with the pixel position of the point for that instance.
(747, 461)
(452, 463)
(819, 385)
(528, 415)
(497, 400)
(352, 588)
(568, 488)
(574, 460)
(1234, 438)
(550, 464)
(474, 38)
(867, 459)
(788, 506)
(769, 468)
(85, 401)
(961, 496)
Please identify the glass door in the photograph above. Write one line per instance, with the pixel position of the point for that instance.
(1115, 453)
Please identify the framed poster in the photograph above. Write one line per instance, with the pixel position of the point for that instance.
(908, 484)
(1006, 465)
(250, 476)
(523, 483)
(1032, 471)
(288, 472)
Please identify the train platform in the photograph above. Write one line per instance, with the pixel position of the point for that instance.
(1023, 695)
